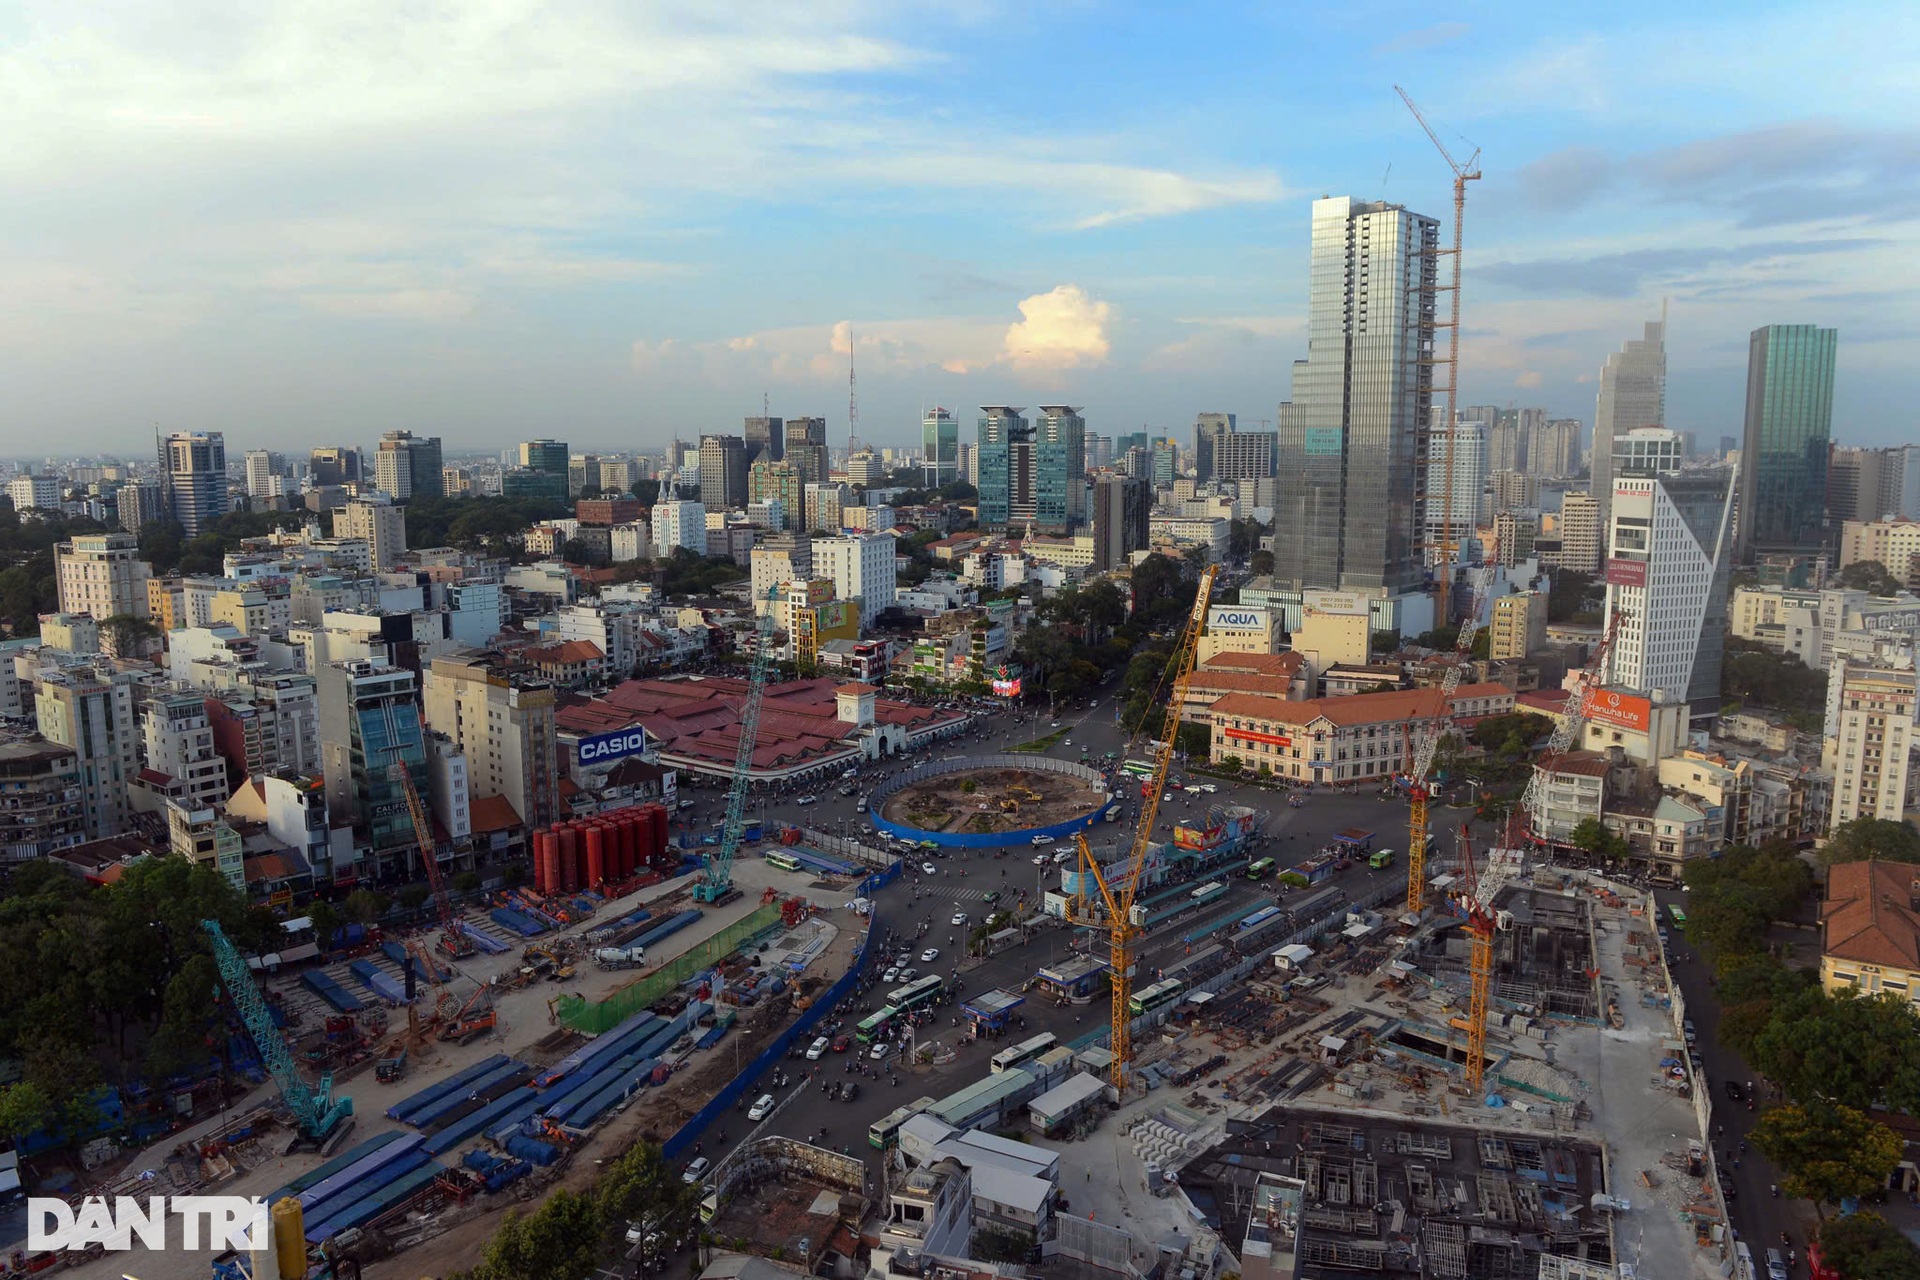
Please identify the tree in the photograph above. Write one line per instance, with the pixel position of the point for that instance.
(648, 491)
(641, 1188)
(1865, 1246)
(1886, 839)
(24, 1108)
(1194, 739)
(1589, 835)
(1261, 564)
(1752, 988)
(1570, 594)
(326, 922)
(414, 896)
(466, 881)
(563, 1237)
(1230, 763)
(1384, 641)
(364, 906)
(1870, 576)
(1826, 1152)
(1850, 1050)
(123, 633)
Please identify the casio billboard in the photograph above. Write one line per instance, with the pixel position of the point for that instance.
(611, 746)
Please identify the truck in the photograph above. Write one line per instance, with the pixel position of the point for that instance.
(388, 1070)
(620, 957)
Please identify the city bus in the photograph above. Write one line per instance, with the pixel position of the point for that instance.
(916, 993)
(1138, 768)
(1679, 916)
(1380, 858)
(1261, 868)
(1258, 918)
(1207, 893)
(873, 1027)
(1157, 996)
(885, 1132)
(1008, 1059)
(784, 861)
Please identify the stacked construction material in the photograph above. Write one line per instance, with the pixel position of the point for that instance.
(602, 848)
(383, 985)
(367, 1187)
(332, 992)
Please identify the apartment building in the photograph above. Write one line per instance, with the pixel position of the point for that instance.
(504, 726)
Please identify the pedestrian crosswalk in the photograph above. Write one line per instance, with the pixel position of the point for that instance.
(968, 895)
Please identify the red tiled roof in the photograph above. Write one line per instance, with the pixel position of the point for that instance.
(1583, 764)
(492, 813)
(1359, 708)
(1270, 664)
(1869, 915)
(1546, 701)
(856, 688)
(567, 651)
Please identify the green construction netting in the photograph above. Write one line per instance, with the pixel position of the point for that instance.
(594, 1018)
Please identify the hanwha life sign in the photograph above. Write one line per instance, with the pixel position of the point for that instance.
(1623, 710)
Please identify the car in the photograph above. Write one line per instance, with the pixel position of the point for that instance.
(762, 1107)
(841, 1044)
(1691, 1034)
(1067, 743)
(993, 895)
(808, 800)
(1054, 725)
(1207, 787)
(697, 1170)
(846, 791)
(850, 1091)
(1039, 842)
(929, 869)
(818, 1049)
(880, 1049)
(891, 975)
(1734, 1092)
(959, 918)
(637, 1231)
(929, 955)
(685, 804)
(1041, 859)
(1727, 1188)
(860, 805)
(1061, 855)
(908, 975)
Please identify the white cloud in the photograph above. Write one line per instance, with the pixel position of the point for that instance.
(1062, 329)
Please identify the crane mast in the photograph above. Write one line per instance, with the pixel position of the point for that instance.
(1462, 175)
(716, 877)
(1122, 929)
(1417, 793)
(317, 1114)
(453, 938)
(1478, 904)
(1579, 700)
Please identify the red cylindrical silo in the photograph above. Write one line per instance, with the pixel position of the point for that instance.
(596, 854)
(657, 833)
(550, 860)
(569, 861)
(542, 842)
(617, 838)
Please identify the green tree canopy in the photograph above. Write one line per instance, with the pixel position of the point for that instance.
(563, 1237)
(1865, 1246)
(1827, 1153)
(1872, 576)
(1852, 1050)
(1883, 838)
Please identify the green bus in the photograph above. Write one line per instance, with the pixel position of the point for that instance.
(784, 861)
(873, 1027)
(1261, 868)
(1380, 858)
(1679, 916)
(885, 1132)
(916, 993)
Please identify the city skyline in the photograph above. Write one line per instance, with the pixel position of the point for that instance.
(327, 246)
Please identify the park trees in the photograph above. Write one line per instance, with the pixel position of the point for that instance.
(1885, 839)
(1827, 1152)
(1851, 1050)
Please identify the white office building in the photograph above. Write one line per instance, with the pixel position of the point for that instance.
(861, 567)
(679, 524)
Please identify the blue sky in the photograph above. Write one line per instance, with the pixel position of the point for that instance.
(614, 223)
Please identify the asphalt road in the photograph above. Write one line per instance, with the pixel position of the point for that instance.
(964, 880)
(1757, 1217)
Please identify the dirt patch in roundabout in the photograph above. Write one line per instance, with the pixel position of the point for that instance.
(991, 801)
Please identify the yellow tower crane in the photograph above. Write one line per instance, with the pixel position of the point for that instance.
(1118, 916)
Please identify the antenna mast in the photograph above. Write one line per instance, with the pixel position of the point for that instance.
(1462, 175)
(853, 400)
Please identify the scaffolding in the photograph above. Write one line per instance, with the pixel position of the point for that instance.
(593, 1018)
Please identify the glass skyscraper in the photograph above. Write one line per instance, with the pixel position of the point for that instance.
(1633, 394)
(1060, 467)
(1351, 457)
(940, 448)
(1783, 458)
(1000, 426)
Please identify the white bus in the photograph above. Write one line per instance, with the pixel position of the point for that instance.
(1008, 1059)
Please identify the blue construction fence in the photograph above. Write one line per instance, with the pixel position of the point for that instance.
(1033, 763)
(802, 1028)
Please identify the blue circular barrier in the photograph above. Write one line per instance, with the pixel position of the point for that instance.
(991, 839)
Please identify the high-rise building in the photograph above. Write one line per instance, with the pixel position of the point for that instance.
(1241, 456)
(369, 723)
(545, 455)
(1892, 544)
(679, 524)
(267, 723)
(380, 523)
(826, 502)
(178, 742)
(865, 468)
(1868, 748)
(583, 473)
(968, 465)
(1555, 448)
(102, 574)
(1000, 427)
(1633, 393)
(766, 439)
(1874, 484)
(137, 504)
(940, 448)
(91, 711)
(780, 557)
(1453, 521)
(1099, 452)
(1060, 467)
(35, 492)
(1670, 550)
(1209, 429)
(723, 472)
(1163, 460)
(408, 466)
(194, 473)
(782, 480)
(1122, 509)
(1789, 433)
(1578, 534)
(1648, 451)
(266, 474)
(1351, 456)
(504, 726)
(334, 464)
(861, 567)
(618, 475)
(1512, 491)
(1518, 626)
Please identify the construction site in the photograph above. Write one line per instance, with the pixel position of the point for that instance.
(987, 800)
